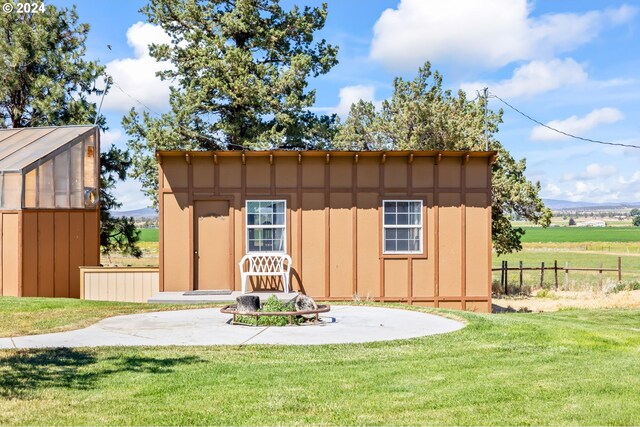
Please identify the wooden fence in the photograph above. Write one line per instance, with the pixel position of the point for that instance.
(504, 275)
(125, 284)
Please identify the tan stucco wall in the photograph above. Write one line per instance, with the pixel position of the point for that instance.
(334, 224)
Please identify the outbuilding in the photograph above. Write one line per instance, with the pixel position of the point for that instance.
(406, 226)
(49, 214)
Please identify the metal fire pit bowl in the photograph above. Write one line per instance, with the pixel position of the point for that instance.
(232, 309)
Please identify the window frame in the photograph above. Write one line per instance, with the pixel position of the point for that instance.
(421, 227)
(247, 226)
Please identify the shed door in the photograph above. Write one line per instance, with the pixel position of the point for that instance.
(213, 259)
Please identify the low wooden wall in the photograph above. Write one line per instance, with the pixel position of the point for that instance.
(124, 284)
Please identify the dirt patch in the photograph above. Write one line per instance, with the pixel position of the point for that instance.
(558, 300)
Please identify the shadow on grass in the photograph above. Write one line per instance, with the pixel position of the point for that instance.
(25, 372)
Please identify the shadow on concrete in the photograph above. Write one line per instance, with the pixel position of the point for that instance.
(25, 372)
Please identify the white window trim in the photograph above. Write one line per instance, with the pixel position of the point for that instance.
(394, 226)
(247, 226)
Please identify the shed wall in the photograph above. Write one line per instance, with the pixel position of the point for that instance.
(334, 225)
(9, 254)
(55, 243)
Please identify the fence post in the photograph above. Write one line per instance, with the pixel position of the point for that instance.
(619, 269)
(520, 277)
(502, 274)
(506, 277)
(566, 275)
(600, 274)
(555, 271)
(542, 275)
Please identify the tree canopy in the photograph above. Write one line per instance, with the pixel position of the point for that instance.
(421, 115)
(45, 81)
(240, 70)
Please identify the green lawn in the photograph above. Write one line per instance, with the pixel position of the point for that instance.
(148, 234)
(581, 234)
(572, 367)
(28, 316)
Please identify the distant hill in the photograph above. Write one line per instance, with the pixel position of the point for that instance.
(137, 213)
(555, 204)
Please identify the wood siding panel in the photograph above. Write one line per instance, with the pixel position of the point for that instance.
(450, 245)
(341, 246)
(476, 174)
(286, 172)
(313, 244)
(76, 252)
(395, 174)
(368, 235)
(313, 172)
(422, 172)
(175, 173)
(29, 254)
(258, 172)
(449, 173)
(124, 284)
(396, 275)
(340, 173)
(61, 254)
(46, 267)
(10, 242)
(422, 274)
(230, 176)
(203, 173)
(478, 245)
(176, 242)
(367, 172)
(91, 238)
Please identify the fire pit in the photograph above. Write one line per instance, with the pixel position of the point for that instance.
(233, 310)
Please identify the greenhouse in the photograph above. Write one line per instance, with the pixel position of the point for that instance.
(49, 216)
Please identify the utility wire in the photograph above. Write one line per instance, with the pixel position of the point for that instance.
(595, 141)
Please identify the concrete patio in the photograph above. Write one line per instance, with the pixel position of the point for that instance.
(203, 298)
(342, 325)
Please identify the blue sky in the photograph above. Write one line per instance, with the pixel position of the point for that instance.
(571, 64)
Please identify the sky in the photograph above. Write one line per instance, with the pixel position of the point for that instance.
(572, 65)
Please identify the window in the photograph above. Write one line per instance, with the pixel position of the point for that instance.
(266, 226)
(402, 226)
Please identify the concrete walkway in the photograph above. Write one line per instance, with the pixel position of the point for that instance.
(343, 324)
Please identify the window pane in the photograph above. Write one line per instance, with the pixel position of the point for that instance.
(389, 219)
(12, 191)
(390, 233)
(251, 219)
(278, 219)
(75, 180)
(30, 189)
(402, 245)
(403, 207)
(45, 185)
(403, 233)
(390, 207)
(403, 219)
(414, 245)
(89, 163)
(61, 177)
(390, 245)
(252, 207)
(279, 207)
(414, 219)
(414, 207)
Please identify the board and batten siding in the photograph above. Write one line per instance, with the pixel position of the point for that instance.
(334, 220)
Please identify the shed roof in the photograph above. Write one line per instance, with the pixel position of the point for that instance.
(21, 147)
(328, 153)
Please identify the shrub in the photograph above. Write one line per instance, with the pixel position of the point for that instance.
(546, 293)
(625, 286)
(272, 304)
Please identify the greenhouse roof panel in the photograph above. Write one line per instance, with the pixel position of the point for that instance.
(21, 147)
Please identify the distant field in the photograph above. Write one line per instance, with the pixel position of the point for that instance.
(581, 234)
(148, 234)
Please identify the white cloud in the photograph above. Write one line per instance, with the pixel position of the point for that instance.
(486, 33)
(136, 75)
(110, 137)
(576, 125)
(593, 171)
(534, 78)
(350, 95)
(129, 193)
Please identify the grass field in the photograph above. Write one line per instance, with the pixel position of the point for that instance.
(581, 234)
(148, 234)
(568, 368)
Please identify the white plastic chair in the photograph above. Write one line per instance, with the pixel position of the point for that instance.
(265, 264)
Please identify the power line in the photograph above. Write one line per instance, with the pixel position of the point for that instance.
(595, 141)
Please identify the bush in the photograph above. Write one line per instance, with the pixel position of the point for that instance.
(625, 286)
(546, 293)
(273, 304)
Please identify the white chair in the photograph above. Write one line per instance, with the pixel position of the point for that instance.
(265, 264)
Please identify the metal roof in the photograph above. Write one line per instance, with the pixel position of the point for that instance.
(21, 147)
